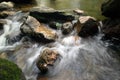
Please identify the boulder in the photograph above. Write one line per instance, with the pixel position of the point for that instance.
(31, 27)
(67, 28)
(47, 58)
(10, 71)
(86, 26)
(6, 5)
(111, 29)
(111, 8)
(46, 15)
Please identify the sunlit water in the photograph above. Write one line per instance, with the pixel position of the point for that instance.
(80, 59)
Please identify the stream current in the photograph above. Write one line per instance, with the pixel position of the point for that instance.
(80, 59)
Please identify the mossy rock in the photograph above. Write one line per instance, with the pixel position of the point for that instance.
(10, 71)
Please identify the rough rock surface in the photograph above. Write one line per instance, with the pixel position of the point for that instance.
(111, 26)
(111, 29)
(46, 58)
(40, 32)
(86, 26)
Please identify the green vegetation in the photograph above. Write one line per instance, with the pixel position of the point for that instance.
(10, 71)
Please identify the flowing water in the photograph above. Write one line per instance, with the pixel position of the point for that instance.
(80, 59)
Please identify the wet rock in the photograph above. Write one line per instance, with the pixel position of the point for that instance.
(6, 5)
(111, 26)
(47, 58)
(40, 32)
(47, 15)
(86, 26)
(6, 13)
(67, 28)
(6, 9)
(10, 71)
(78, 11)
(111, 29)
(110, 8)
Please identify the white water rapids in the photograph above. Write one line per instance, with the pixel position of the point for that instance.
(81, 59)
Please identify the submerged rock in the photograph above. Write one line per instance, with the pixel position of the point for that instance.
(86, 26)
(111, 8)
(67, 28)
(55, 25)
(40, 32)
(10, 71)
(47, 58)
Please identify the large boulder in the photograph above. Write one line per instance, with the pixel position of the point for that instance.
(111, 29)
(10, 71)
(86, 26)
(47, 58)
(111, 8)
(31, 27)
(46, 15)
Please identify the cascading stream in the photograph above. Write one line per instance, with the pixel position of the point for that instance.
(80, 59)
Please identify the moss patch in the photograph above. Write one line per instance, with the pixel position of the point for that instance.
(10, 71)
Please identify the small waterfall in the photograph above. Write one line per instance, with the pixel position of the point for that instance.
(11, 29)
(80, 59)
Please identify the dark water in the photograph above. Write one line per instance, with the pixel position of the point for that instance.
(91, 7)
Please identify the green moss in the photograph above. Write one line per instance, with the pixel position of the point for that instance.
(9, 71)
